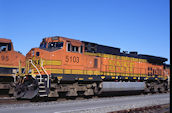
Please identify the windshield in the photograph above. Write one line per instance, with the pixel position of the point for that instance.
(52, 46)
(5, 46)
(43, 45)
(55, 45)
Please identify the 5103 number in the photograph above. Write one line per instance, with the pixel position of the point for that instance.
(73, 59)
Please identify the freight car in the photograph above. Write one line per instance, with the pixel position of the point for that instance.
(68, 67)
(9, 63)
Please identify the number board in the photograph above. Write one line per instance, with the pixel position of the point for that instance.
(73, 59)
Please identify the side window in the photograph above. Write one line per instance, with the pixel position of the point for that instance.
(9, 47)
(74, 49)
(71, 48)
(68, 46)
(81, 49)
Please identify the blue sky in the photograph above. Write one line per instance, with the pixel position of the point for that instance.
(132, 25)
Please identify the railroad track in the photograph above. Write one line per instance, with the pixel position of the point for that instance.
(4, 99)
(164, 108)
(11, 100)
(95, 105)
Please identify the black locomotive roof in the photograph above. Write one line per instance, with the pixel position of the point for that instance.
(97, 48)
(167, 65)
(153, 59)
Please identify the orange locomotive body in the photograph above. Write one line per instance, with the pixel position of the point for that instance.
(63, 66)
(9, 63)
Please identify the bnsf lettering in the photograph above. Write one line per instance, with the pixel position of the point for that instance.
(73, 59)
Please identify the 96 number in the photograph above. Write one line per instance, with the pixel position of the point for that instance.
(73, 59)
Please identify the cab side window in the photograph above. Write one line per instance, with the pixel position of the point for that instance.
(81, 49)
(74, 49)
(71, 48)
(68, 46)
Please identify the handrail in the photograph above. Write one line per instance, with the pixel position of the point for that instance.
(35, 68)
(48, 77)
(15, 77)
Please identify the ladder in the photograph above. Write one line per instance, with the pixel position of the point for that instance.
(42, 85)
(43, 81)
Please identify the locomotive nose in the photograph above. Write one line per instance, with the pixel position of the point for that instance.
(33, 53)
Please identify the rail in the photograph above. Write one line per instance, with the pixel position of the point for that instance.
(35, 68)
(164, 108)
(48, 77)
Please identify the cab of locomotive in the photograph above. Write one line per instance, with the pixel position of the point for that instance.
(51, 45)
(47, 53)
(47, 45)
(5, 45)
(51, 54)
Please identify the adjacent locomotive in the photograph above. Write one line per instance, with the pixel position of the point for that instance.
(9, 63)
(68, 67)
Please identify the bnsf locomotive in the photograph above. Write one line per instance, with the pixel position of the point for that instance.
(68, 67)
(9, 63)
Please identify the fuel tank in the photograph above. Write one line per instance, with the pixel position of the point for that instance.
(122, 86)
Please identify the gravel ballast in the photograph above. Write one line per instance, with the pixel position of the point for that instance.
(96, 105)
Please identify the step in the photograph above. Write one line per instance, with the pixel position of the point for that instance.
(43, 95)
(43, 78)
(40, 83)
(41, 86)
(40, 78)
(41, 91)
